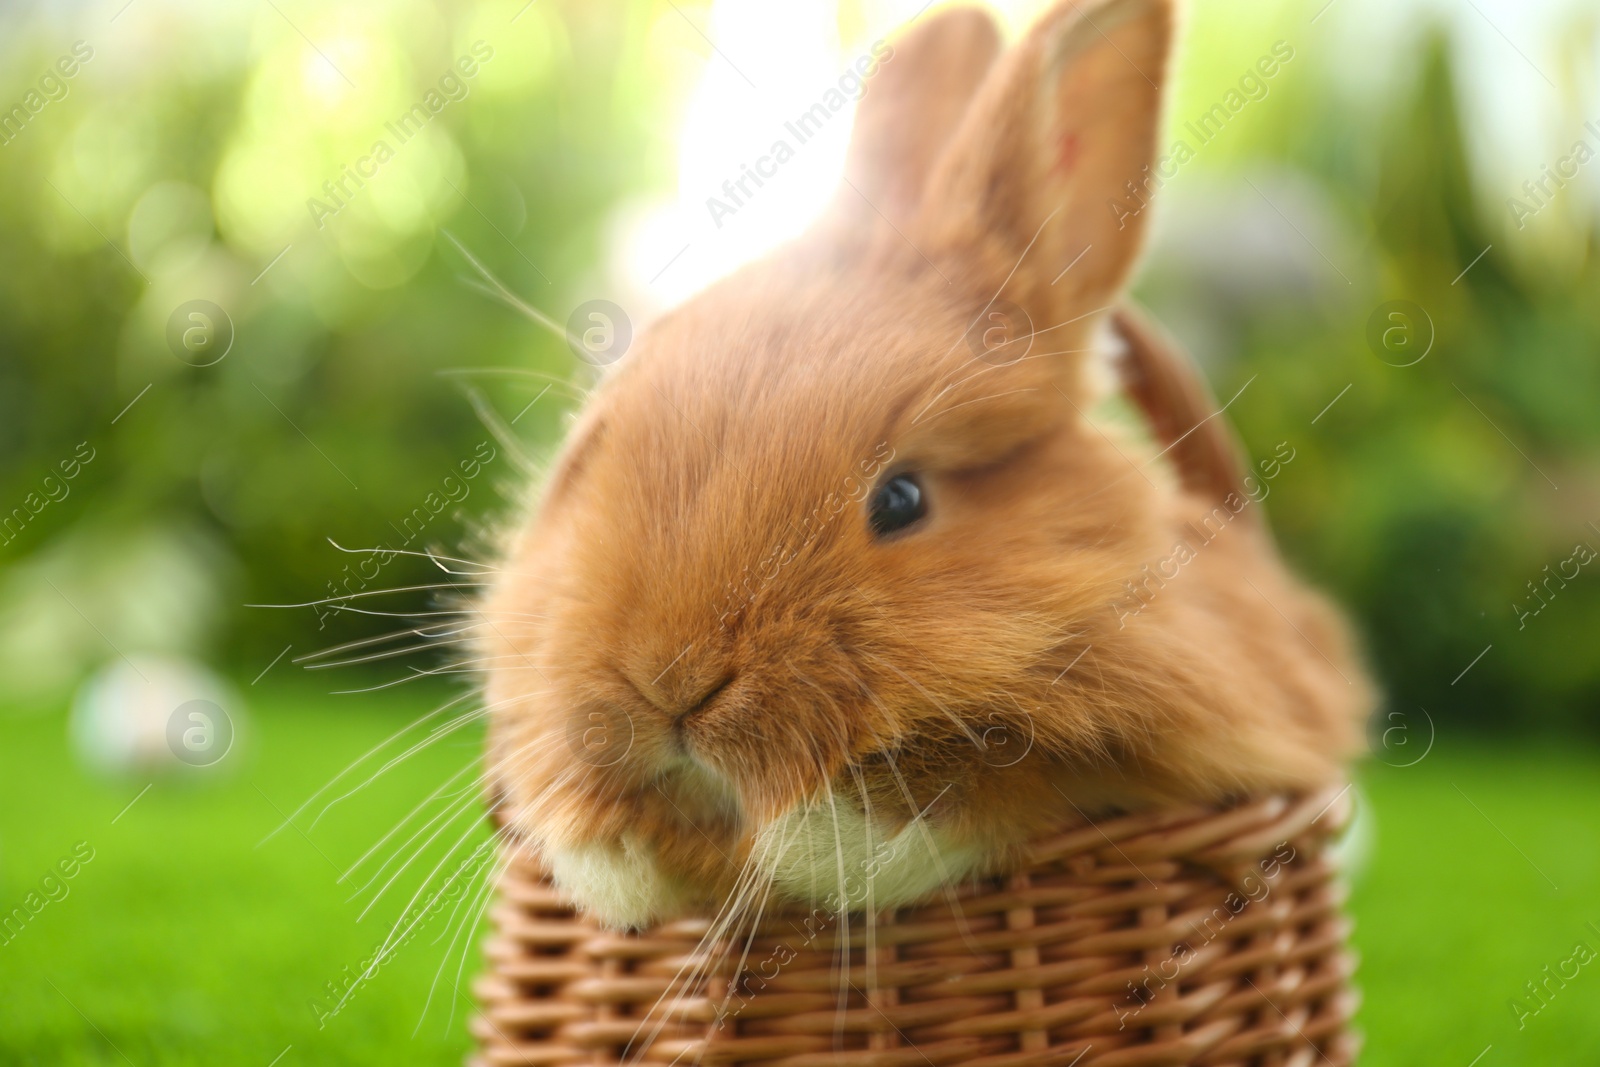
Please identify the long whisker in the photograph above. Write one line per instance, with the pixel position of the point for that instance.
(425, 587)
(380, 746)
(494, 868)
(392, 683)
(869, 959)
(438, 792)
(430, 556)
(417, 673)
(367, 642)
(457, 613)
(501, 291)
(977, 741)
(396, 936)
(443, 729)
(921, 823)
(372, 657)
(697, 965)
(501, 432)
(573, 388)
(842, 947)
(386, 951)
(454, 810)
(755, 927)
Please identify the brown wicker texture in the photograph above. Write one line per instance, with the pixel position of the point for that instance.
(1142, 941)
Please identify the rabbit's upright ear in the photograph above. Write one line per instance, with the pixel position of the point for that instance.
(910, 107)
(1043, 167)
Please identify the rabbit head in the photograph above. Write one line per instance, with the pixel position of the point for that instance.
(827, 594)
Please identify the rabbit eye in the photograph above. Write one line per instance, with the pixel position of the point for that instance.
(898, 503)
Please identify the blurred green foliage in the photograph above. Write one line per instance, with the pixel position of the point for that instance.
(179, 163)
(1437, 500)
(163, 177)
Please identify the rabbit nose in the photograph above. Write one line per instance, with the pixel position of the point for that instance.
(707, 695)
(682, 701)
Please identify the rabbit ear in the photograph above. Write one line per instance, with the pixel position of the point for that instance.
(910, 108)
(1167, 384)
(1040, 170)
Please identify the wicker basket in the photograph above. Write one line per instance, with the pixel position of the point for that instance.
(1199, 937)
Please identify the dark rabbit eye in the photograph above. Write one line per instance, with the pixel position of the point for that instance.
(897, 504)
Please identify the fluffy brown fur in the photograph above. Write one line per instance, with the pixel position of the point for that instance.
(700, 593)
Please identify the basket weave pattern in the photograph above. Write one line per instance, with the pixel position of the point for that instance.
(1199, 937)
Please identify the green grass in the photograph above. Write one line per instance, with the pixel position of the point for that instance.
(1486, 868)
(183, 942)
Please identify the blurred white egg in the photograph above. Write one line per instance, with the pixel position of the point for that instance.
(151, 713)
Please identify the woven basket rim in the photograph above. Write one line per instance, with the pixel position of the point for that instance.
(1040, 968)
(1214, 832)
